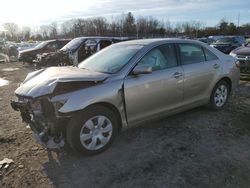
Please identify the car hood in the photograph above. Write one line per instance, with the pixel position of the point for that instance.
(242, 50)
(44, 81)
(29, 50)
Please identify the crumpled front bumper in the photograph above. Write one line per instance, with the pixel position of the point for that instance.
(23, 108)
(46, 131)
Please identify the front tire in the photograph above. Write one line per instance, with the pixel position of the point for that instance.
(62, 64)
(92, 130)
(219, 95)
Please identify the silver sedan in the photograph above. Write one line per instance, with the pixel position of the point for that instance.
(123, 85)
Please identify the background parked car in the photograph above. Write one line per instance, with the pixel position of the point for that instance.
(9, 51)
(214, 38)
(228, 43)
(75, 51)
(243, 56)
(203, 39)
(47, 46)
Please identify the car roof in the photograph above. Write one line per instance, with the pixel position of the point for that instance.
(231, 36)
(53, 40)
(157, 40)
(97, 37)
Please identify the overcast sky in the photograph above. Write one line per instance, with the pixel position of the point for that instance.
(35, 13)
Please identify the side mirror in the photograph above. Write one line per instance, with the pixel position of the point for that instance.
(142, 69)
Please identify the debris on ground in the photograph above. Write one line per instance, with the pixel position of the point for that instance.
(9, 69)
(20, 166)
(5, 163)
(4, 58)
(3, 82)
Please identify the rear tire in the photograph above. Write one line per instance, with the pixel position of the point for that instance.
(92, 130)
(219, 96)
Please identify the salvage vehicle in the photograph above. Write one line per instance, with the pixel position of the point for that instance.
(75, 51)
(123, 85)
(228, 43)
(29, 55)
(242, 54)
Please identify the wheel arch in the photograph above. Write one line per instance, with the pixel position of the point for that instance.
(228, 81)
(112, 107)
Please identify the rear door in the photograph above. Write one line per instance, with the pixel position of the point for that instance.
(201, 68)
(150, 94)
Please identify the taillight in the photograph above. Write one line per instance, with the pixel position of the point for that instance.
(237, 63)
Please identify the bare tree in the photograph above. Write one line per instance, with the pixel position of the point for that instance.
(141, 27)
(25, 33)
(53, 30)
(12, 29)
(67, 28)
(123, 25)
(129, 26)
(100, 25)
(44, 30)
(168, 27)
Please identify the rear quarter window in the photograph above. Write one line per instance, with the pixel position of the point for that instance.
(209, 55)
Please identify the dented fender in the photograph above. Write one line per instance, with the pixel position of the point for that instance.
(107, 92)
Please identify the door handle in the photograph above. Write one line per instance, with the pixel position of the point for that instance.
(216, 66)
(177, 75)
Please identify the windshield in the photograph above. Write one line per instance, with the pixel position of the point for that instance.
(42, 44)
(73, 45)
(225, 40)
(111, 59)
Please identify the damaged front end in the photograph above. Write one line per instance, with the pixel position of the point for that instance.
(42, 117)
(37, 100)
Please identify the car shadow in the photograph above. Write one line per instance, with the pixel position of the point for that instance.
(145, 149)
(196, 148)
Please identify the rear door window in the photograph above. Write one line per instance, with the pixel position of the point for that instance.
(191, 53)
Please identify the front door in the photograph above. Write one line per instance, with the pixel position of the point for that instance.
(150, 94)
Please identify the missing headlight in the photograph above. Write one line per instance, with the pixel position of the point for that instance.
(66, 87)
(36, 105)
(58, 104)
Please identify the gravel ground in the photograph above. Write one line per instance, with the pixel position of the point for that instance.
(198, 148)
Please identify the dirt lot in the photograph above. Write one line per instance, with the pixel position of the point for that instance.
(198, 148)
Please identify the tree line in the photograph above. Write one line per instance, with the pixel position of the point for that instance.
(125, 25)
